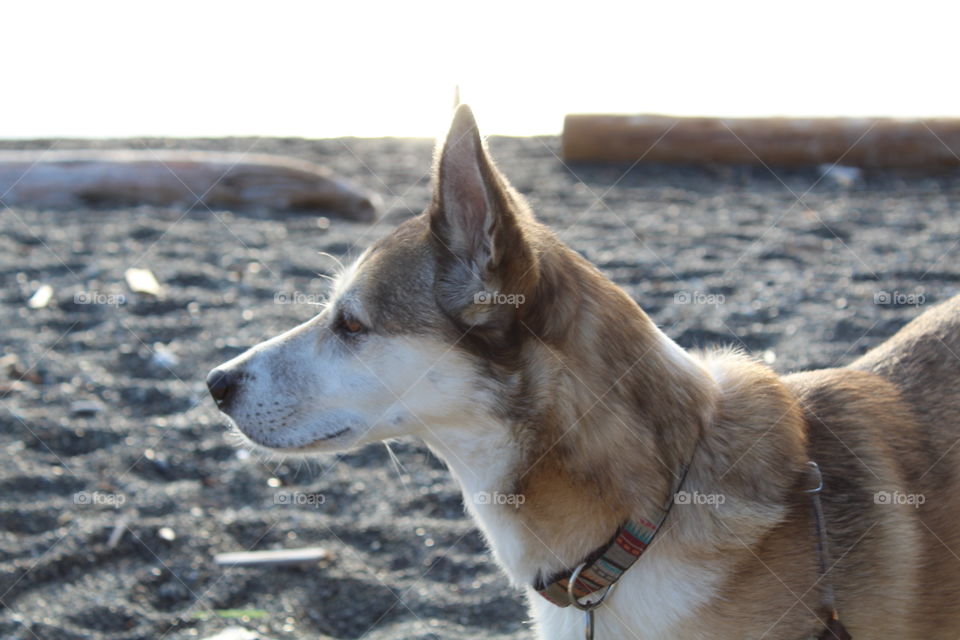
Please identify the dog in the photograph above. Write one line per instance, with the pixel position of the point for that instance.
(580, 434)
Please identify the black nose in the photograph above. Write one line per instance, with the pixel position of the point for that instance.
(223, 385)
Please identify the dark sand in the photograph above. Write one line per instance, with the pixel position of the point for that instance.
(795, 282)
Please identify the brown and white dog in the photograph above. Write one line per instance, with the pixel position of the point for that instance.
(531, 374)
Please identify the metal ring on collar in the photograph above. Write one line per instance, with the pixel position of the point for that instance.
(589, 606)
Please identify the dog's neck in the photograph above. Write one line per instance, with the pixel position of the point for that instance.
(615, 409)
(549, 490)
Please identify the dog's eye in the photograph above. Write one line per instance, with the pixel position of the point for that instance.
(349, 325)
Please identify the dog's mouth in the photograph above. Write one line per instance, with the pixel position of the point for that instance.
(331, 436)
(316, 444)
(300, 441)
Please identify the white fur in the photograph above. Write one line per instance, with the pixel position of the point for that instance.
(678, 357)
(482, 458)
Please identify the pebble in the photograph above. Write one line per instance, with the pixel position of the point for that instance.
(236, 633)
(41, 297)
(163, 357)
(840, 175)
(85, 408)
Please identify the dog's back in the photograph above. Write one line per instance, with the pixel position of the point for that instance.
(923, 361)
(886, 431)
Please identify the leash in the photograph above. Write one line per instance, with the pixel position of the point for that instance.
(835, 629)
(588, 585)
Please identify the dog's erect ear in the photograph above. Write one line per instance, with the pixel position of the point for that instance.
(477, 217)
(466, 193)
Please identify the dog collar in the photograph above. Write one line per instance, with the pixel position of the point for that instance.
(602, 568)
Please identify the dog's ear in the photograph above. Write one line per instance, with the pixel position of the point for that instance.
(478, 220)
(467, 194)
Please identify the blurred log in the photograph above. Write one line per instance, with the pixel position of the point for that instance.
(861, 142)
(73, 179)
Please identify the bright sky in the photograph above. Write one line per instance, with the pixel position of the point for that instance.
(320, 69)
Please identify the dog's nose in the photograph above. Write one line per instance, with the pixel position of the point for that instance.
(222, 384)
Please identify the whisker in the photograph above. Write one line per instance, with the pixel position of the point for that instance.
(340, 264)
(397, 465)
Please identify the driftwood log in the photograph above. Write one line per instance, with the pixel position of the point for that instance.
(72, 179)
(861, 142)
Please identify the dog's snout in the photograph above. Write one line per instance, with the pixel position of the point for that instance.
(222, 384)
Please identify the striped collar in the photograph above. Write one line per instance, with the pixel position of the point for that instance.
(602, 568)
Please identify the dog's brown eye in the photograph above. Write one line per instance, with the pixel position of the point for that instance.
(349, 325)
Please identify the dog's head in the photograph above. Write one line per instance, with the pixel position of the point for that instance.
(418, 330)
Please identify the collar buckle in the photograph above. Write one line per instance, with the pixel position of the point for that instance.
(589, 605)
